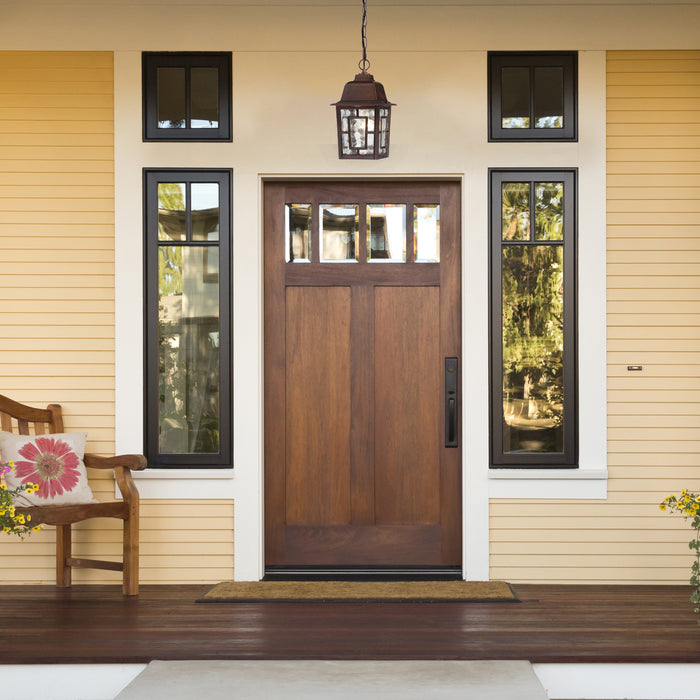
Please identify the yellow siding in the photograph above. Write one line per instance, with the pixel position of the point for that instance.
(57, 307)
(653, 249)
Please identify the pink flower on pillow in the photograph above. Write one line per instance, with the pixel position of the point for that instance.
(51, 463)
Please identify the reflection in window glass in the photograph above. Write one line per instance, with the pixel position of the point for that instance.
(204, 99)
(297, 222)
(386, 232)
(172, 110)
(205, 211)
(426, 233)
(549, 211)
(515, 98)
(549, 97)
(533, 345)
(172, 207)
(188, 350)
(515, 198)
(339, 231)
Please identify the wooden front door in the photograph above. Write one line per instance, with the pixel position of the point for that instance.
(362, 348)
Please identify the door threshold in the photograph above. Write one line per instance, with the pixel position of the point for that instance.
(341, 573)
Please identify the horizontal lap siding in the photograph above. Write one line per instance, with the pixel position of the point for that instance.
(653, 291)
(57, 307)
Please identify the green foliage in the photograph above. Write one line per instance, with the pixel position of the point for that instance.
(688, 505)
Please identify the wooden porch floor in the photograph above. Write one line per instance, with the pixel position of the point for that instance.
(576, 624)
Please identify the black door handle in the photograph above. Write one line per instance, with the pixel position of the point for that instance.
(451, 412)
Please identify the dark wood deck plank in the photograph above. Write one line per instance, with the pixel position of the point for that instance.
(576, 624)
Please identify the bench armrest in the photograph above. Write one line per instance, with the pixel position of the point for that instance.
(132, 462)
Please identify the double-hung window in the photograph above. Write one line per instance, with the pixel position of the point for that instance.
(533, 319)
(188, 304)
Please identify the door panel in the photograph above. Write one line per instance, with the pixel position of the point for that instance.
(407, 405)
(318, 431)
(357, 474)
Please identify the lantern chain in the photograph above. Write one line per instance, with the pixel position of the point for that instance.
(364, 63)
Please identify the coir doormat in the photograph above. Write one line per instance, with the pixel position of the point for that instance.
(360, 591)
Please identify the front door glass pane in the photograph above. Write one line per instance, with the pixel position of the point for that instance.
(533, 346)
(426, 233)
(340, 228)
(297, 222)
(172, 110)
(386, 232)
(188, 348)
(172, 211)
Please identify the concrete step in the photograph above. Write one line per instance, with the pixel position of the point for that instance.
(336, 680)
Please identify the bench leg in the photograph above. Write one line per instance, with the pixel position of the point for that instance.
(63, 553)
(131, 554)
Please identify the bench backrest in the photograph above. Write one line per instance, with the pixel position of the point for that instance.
(25, 420)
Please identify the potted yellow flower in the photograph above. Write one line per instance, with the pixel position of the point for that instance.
(688, 505)
(11, 522)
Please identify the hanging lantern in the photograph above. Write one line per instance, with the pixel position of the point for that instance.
(363, 112)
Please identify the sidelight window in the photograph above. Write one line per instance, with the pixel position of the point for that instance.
(533, 319)
(188, 345)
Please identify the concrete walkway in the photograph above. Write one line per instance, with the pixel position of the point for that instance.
(336, 680)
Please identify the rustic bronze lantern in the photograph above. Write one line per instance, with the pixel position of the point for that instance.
(363, 112)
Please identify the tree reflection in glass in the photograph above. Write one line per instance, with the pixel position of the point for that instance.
(533, 344)
(188, 349)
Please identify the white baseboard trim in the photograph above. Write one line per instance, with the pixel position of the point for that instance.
(617, 681)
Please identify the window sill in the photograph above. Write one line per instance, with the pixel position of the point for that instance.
(581, 484)
(201, 484)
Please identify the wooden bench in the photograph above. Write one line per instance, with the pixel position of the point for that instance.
(25, 420)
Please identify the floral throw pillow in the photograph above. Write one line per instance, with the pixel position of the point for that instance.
(53, 462)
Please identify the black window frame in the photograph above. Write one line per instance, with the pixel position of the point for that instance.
(567, 60)
(152, 60)
(151, 178)
(568, 459)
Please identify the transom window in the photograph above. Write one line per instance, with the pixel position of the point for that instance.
(188, 345)
(532, 96)
(533, 319)
(186, 96)
(405, 232)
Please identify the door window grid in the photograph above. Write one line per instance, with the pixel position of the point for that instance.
(394, 233)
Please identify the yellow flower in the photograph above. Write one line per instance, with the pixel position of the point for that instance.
(36, 528)
(29, 517)
(11, 463)
(662, 507)
(3, 487)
